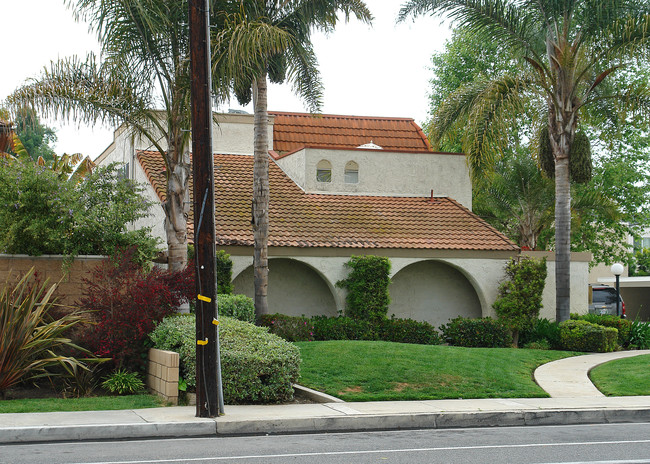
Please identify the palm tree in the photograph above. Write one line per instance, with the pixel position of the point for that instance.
(144, 66)
(271, 39)
(517, 199)
(570, 47)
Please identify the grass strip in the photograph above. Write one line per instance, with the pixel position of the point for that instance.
(623, 377)
(98, 403)
(383, 371)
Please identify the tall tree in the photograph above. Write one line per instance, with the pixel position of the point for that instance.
(571, 47)
(271, 39)
(516, 197)
(35, 136)
(141, 81)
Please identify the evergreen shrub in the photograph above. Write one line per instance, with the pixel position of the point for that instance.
(623, 326)
(257, 367)
(367, 286)
(542, 331)
(584, 336)
(474, 333)
(408, 331)
(291, 328)
(520, 296)
(238, 307)
(224, 273)
(342, 328)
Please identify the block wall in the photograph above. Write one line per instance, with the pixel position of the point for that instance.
(162, 374)
(51, 268)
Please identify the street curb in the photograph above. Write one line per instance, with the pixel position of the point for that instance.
(444, 420)
(324, 424)
(105, 432)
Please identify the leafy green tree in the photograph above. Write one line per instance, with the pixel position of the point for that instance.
(605, 211)
(36, 138)
(520, 297)
(144, 66)
(41, 214)
(263, 40)
(570, 48)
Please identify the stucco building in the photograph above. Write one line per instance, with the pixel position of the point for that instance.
(343, 186)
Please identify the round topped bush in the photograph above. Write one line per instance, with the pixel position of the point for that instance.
(256, 367)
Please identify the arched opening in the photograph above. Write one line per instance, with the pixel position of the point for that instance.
(324, 171)
(295, 289)
(351, 173)
(434, 292)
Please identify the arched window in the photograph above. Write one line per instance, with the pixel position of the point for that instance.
(324, 171)
(351, 173)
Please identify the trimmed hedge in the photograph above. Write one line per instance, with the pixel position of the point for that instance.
(578, 335)
(342, 328)
(256, 366)
(238, 307)
(476, 333)
(408, 331)
(623, 326)
(291, 328)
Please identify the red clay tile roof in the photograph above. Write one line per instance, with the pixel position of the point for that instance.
(293, 131)
(313, 220)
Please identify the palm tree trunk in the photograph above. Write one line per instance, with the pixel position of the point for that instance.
(562, 238)
(261, 196)
(177, 205)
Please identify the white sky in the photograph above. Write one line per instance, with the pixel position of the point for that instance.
(381, 70)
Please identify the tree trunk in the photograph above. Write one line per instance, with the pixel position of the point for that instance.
(177, 204)
(261, 197)
(561, 134)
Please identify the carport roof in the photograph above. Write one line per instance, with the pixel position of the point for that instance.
(299, 219)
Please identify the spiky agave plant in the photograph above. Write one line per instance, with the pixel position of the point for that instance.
(29, 336)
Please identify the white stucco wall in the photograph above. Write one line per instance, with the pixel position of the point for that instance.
(471, 286)
(234, 134)
(384, 173)
(294, 166)
(579, 282)
(479, 275)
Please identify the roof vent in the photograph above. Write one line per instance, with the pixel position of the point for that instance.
(370, 146)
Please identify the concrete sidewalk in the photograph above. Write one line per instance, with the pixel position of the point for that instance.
(582, 408)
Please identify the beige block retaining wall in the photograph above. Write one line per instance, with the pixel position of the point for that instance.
(162, 374)
(51, 268)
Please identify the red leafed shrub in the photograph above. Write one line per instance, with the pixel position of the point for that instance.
(126, 302)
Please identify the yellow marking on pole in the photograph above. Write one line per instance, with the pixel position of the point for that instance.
(204, 298)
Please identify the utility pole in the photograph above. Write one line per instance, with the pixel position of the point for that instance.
(207, 349)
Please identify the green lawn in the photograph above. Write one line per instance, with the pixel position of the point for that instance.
(381, 371)
(98, 403)
(623, 377)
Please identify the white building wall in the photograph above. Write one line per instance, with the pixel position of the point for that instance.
(483, 274)
(234, 134)
(383, 173)
(294, 166)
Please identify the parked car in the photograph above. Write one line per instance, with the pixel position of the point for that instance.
(602, 300)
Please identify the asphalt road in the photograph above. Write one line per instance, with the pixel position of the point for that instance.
(612, 443)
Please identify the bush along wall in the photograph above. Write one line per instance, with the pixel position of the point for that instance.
(367, 286)
(588, 337)
(623, 326)
(257, 367)
(520, 296)
(476, 333)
